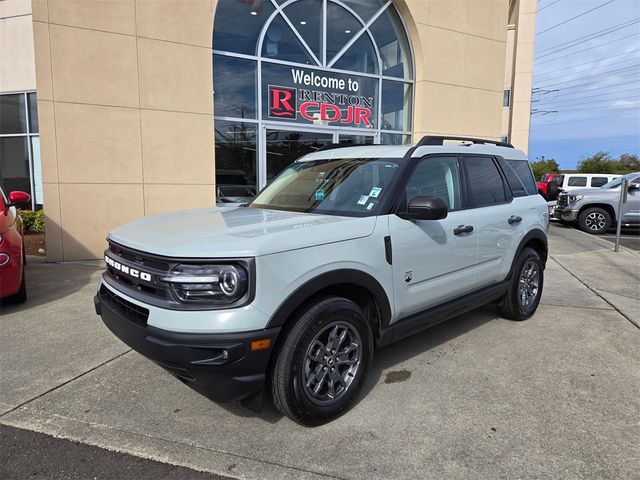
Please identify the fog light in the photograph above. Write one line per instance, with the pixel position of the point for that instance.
(4, 259)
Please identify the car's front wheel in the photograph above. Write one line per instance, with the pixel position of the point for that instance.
(323, 361)
(595, 220)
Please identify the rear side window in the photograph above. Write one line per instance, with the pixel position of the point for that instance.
(485, 182)
(520, 177)
(598, 181)
(577, 182)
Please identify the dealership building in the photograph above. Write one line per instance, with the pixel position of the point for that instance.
(111, 110)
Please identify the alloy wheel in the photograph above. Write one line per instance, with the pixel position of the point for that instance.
(529, 284)
(331, 363)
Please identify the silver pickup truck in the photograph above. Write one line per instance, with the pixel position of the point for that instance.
(596, 209)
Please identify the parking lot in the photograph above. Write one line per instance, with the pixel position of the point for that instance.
(556, 396)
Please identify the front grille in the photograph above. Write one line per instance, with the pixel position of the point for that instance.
(142, 262)
(129, 310)
(563, 200)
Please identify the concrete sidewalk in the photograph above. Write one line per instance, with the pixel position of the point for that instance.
(479, 397)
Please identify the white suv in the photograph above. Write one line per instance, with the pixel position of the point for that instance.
(346, 251)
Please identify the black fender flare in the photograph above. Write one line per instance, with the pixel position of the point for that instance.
(328, 279)
(535, 234)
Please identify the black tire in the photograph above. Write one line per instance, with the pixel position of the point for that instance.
(594, 220)
(525, 287)
(303, 357)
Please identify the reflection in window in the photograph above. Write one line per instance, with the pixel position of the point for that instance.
(388, 33)
(236, 153)
(20, 145)
(237, 25)
(306, 17)
(13, 115)
(485, 183)
(361, 57)
(366, 9)
(14, 164)
(341, 28)
(394, 139)
(235, 92)
(396, 105)
(281, 43)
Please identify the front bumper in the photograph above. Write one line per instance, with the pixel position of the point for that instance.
(223, 367)
(565, 213)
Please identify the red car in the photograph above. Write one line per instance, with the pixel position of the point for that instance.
(12, 257)
(543, 185)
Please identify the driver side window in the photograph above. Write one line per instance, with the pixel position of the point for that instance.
(436, 177)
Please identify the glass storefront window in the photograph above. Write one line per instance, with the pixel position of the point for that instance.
(308, 72)
(33, 112)
(237, 26)
(396, 105)
(14, 164)
(234, 87)
(394, 48)
(20, 165)
(236, 153)
(13, 114)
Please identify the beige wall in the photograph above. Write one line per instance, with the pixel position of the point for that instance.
(125, 102)
(126, 114)
(17, 65)
(459, 48)
(523, 73)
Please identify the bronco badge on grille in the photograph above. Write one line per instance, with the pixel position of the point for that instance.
(132, 272)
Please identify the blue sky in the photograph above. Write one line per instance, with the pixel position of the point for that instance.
(588, 71)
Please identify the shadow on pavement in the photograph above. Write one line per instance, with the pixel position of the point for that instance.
(48, 282)
(387, 358)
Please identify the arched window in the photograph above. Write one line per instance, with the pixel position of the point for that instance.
(290, 76)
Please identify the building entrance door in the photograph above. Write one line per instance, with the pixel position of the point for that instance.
(283, 146)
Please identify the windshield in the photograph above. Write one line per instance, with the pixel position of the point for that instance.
(338, 186)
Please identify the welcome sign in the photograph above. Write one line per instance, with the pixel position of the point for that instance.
(320, 98)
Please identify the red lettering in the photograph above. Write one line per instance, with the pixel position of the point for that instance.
(349, 118)
(362, 115)
(324, 115)
(303, 110)
(281, 103)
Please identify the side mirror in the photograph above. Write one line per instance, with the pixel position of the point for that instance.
(634, 186)
(425, 208)
(18, 199)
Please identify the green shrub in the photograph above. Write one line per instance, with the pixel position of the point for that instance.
(33, 221)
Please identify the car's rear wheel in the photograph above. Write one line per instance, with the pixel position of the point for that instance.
(323, 362)
(525, 288)
(595, 220)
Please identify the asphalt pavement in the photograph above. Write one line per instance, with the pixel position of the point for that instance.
(478, 397)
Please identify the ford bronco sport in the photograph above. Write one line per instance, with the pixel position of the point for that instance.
(346, 251)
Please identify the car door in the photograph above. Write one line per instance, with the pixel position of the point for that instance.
(498, 217)
(631, 209)
(431, 263)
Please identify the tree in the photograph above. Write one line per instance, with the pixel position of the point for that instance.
(627, 163)
(600, 162)
(543, 165)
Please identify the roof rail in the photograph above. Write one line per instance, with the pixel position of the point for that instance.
(439, 140)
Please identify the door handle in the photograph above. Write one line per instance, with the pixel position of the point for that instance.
(514, 220)
(460, 229)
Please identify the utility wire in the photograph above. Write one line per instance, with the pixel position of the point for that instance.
(588, 119)
(547, 6)
(581, 95)
(591, 62)
(635, 35)
(553, 101)
(595, 75)
(573, 18)
(586, 38)
(591, 102)
(610, 86)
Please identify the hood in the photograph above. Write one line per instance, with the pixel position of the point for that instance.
(237, 232)
(594, 192)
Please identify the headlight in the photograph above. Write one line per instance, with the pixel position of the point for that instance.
(209, 284)
(575, 198)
